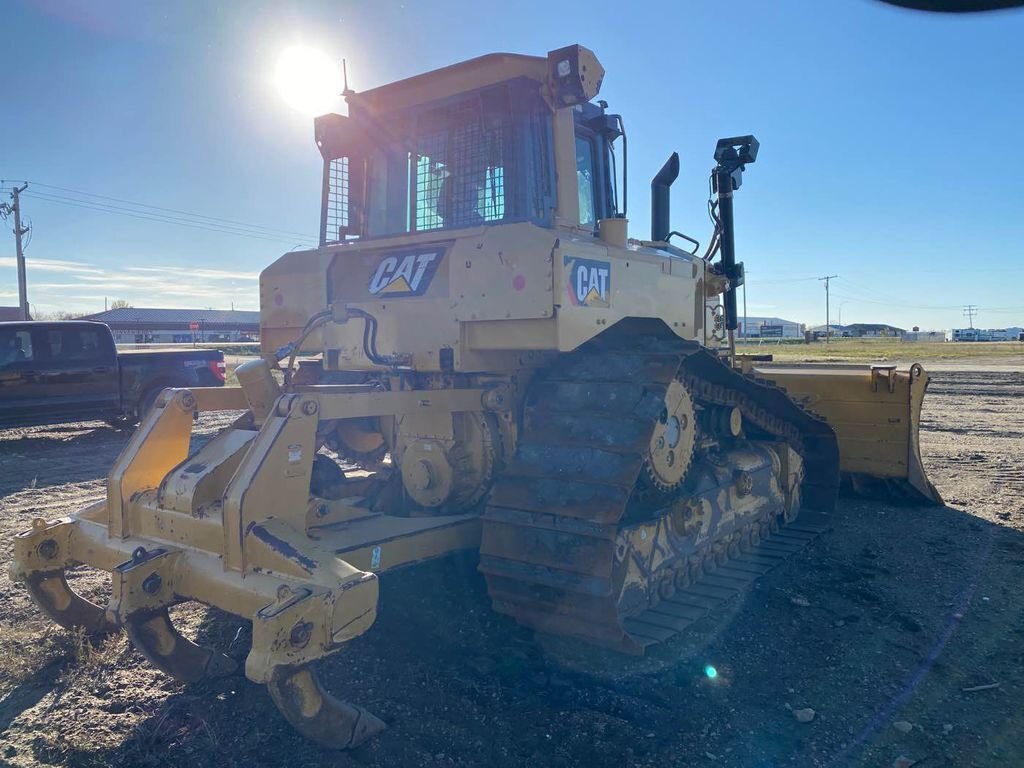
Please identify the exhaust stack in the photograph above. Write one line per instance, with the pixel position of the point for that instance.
(660, 197)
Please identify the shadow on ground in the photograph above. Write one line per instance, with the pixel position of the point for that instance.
(893, 616)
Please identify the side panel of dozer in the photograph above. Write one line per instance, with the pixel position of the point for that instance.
(876, 413)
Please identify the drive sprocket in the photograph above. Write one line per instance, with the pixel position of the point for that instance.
(672, 442)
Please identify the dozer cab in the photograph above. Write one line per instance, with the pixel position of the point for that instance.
(477, 356)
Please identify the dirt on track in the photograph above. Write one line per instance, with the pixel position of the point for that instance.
(902, 628)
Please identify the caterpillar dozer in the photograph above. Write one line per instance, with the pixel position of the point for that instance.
(477, 356)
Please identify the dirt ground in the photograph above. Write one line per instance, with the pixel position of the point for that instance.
(883, 626)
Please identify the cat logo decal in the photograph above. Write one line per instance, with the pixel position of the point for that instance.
(405, 274)
(590, 282)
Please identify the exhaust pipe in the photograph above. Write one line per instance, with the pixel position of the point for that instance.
(660, 214)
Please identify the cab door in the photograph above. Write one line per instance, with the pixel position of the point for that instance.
(80, 374)
(20, 378)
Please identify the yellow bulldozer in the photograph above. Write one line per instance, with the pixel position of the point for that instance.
(478, 357)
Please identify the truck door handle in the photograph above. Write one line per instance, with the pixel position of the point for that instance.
(100, 369)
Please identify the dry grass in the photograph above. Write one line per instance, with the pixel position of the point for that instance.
(867, 350)
(28, 646)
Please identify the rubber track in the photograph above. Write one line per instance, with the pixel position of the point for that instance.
(550, 526)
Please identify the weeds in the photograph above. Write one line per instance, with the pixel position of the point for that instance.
(881, 350)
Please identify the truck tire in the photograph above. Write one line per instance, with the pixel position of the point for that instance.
(121, 422)
(146, 401)
(131, 420)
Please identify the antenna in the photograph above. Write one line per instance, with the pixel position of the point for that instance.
(346, 92)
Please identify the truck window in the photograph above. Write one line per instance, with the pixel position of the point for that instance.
(15, 347)
(90, 344)
(69, 345)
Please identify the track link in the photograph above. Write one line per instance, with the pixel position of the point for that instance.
(552, 524)
(719, 586)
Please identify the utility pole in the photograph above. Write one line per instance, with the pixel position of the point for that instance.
(969, 312)
(828, 325)
(19, 232)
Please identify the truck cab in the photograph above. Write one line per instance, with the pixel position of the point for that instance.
(57, 371)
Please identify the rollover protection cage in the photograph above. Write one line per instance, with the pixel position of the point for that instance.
(478, 158)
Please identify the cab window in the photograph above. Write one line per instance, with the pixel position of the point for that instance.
(15, 347)
(585, 180)
(70, 345)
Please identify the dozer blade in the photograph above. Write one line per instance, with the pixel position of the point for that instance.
(875, 411)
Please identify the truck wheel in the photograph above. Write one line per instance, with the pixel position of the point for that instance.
(146, 401)
(129, 421)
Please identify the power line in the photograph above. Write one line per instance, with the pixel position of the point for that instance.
(901, 304)
(783, 280)
(147, 212)
(146, 216)
(164, 218)
(889, 299)
(136, 204)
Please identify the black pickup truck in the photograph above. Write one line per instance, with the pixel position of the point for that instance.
(58, 372)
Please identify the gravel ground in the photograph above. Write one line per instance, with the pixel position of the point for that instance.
(882, 627)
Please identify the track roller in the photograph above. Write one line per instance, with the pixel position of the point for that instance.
(316, 714)
(156, 638)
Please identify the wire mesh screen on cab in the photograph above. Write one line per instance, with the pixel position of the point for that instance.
(337, 197)
(459, 177)
(459, 164)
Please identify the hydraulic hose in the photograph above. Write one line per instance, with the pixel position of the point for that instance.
(370, 341)
(311, 325)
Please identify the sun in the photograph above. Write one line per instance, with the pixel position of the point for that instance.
(308, 80)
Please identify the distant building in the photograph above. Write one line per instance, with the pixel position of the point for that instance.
(162, 326)
(769, 328)
(916, 336)
(835, 331)
(872, 330)
(1015, 333)
(857, 330)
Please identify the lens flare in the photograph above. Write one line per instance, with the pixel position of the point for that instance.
(308, 80)
(711, 672)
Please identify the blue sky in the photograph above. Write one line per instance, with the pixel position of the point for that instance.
(890, 139)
